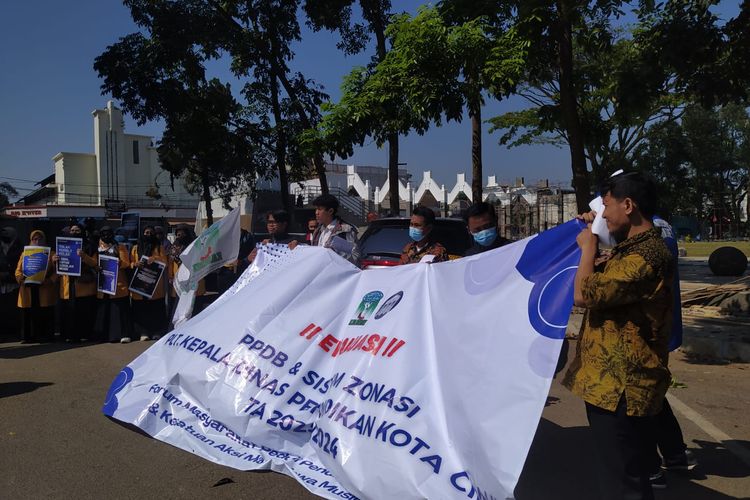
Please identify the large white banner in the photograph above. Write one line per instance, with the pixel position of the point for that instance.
(418, 381)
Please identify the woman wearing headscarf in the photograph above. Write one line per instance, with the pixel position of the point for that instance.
(113, 318)
(37, 301)
(78, 293)
(149, 315)
(184, 236)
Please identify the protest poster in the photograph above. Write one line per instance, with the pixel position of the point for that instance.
(147, 277)
(366, 384)
(130, 224)
(109, 267)
(69, 262)
(35, 262)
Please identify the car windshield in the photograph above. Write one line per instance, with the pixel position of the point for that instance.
(390, 239)
(384, 240)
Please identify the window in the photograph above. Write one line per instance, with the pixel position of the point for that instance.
(136, 157)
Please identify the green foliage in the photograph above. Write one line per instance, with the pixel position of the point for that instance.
(6, 191)
(219, 139)
(701, 163)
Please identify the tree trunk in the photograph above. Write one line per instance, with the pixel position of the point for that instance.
(207, 197)
(393, 174)
(373, 13)
(569, 107)
(280, 148)
(320, 167)
(475, 111)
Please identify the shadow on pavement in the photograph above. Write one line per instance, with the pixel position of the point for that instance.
(8, 389)
(20, 351)
(562, 464)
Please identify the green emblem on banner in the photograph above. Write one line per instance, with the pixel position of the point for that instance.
(366, 308)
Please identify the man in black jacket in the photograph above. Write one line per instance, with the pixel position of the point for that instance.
(481, 221)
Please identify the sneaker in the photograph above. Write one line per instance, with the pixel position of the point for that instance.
(144, 338)
(686, 461)
(155, 337)
(125, 340)
(658, 480)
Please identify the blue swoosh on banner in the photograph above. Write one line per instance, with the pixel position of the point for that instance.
(121, 380)
(550, 261)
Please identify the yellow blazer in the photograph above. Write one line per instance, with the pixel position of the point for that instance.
(47, 290)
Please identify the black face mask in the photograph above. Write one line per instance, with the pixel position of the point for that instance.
(108, 238)
(184, 241)
(5, 239)
(150, 239)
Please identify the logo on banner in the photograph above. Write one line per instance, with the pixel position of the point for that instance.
(389, 304)
(366, 307)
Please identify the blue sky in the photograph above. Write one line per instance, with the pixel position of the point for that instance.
(48, 88)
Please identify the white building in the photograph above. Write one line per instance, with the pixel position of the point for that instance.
(123, 173)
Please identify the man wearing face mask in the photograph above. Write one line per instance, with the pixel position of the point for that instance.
(422, 244)
(481, 221)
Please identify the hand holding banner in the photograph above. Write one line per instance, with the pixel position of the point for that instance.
(69, 262)
(35, 262)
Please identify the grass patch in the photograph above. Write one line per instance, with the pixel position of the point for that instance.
(704, 248)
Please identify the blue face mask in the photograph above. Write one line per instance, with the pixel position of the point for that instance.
(416, 234)
(486, 236)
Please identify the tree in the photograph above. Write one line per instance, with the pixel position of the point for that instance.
(161, 73)
(337, 15)
(616, 107)
(434, 71)
(701, 163)
(6, 191)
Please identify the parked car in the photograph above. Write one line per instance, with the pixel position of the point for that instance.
(382, 242)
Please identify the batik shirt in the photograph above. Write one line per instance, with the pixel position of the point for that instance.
(622, 348)
(412, 254)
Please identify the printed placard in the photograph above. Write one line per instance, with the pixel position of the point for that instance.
(35, 262)
(109, 267)
(146, 278)
(69, 262)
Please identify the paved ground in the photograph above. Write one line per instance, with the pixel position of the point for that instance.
(55, 443)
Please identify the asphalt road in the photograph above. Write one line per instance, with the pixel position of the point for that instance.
(55, 443)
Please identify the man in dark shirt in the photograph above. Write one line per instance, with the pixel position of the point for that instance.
(481, 221)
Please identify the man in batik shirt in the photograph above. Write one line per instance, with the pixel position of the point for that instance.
(422, 244)
(620, 367)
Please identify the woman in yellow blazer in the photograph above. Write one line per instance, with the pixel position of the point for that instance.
(113, 316)
(37, 301)
(149, 315)
(78, 293)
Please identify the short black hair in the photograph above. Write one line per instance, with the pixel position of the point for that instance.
(478, 209)
(637, 186)
(327, 201)
(427, 213)
(278, 215)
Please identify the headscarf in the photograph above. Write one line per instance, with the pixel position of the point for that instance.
(37, 232)
(147, 244)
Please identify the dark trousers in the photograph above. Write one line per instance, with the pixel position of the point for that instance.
(149, 318)
(668, 437)
(113, 319)
(624, 444)
(9, 312)
(77, 318)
